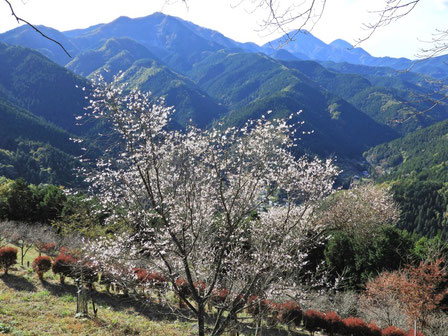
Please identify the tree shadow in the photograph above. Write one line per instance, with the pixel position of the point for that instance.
(151, 309)
(59, 289)
(18, 283)
(148, 308)
(118, 302)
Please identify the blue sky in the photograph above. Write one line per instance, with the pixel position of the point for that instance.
(341, 19)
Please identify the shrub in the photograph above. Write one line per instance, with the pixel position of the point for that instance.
(374, 329)
(64, 266)
(355, 326)
(269, 311)
(289, 313)
(8, 257)
(411, 333)
(219, 296)
(258, 306)
(47, 248)
(314, 320)
(41, 265)
(334, 323)
(183, 290)
(141, 275)
(200, 287)
(393, 331)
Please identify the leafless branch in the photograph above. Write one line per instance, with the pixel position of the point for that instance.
(393, 10)
(439, 45)
(19, 20)
(301, 15)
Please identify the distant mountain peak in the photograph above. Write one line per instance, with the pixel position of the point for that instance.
(122, 18)
(342, 44)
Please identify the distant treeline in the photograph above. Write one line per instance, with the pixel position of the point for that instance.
(49, 204)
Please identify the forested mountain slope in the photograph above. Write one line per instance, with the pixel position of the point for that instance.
(250, 84)
(417, 168)
(141, 69)
(391, 98)
(46, 89)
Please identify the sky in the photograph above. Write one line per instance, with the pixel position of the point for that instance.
(341, 19)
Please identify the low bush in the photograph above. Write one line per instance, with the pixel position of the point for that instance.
(47, 248)
(356, 327)
(290, 313)
(219, 296)
(411, 333)
(334, 323)
(200, 287)
(64, 265)
(259, 306)
(41, 265)
(374, 329)
(183, 290)
(314, 320)
(8, 258)
(393, 331)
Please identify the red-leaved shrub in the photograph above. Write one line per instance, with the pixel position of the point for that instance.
(200, 287)
(355, 326)
(393, 331)
(219, 296)
(8, 257)
(47, 248)
(183, 290)
(374, 329)
(289, 313)
(41, 265)
(258, 306)
(314, 320)
(334, 323)
(64, 265)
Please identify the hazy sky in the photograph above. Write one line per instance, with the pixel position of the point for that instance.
(341, 19)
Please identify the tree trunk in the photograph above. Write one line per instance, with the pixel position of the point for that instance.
(82, 301)
(201, 319)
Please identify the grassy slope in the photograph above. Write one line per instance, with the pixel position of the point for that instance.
(30, 307)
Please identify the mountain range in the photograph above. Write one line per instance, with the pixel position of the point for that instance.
(350, 99)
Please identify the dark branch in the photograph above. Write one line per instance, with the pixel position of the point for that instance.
(19, 19)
